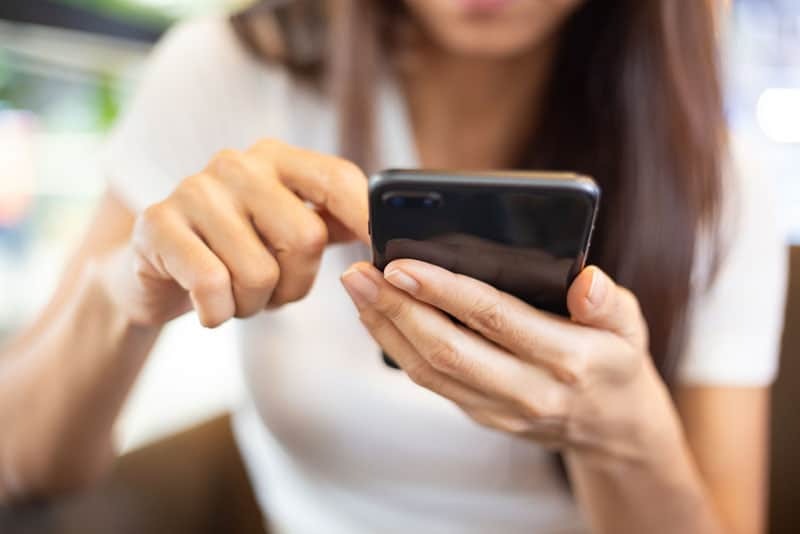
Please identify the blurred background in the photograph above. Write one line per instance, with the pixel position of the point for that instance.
(66, 70)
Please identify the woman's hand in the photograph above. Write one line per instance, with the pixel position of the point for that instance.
(244, 234)
(585, 385)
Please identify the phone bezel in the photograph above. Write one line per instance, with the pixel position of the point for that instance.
(384, 182)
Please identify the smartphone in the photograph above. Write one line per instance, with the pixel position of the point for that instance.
(525, 233)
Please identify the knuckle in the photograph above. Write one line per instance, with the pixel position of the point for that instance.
(395, 309)
(574, 365)
(422, 375)
(488, 317)
(531, 407)
(263, 277)
(371, 319)
(150, 225)
(346, 170)
(335, 177)
(153, 217)
(226, 163)
(320, 194)
(267, 146)
(227, 155)
(195, 189)
(224, 160)
(445, 357)
(545, 403)
(313, 238)
(212, 281)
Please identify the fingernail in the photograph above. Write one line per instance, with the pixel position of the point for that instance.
(401, 280)
(362, 290)
(598, 288)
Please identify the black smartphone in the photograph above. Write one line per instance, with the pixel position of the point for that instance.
(525, 233)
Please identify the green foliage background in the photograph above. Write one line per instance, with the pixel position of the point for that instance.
(133, 12)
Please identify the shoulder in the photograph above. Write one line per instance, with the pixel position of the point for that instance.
(736, 316)
(207, 47)
(749, 229)
(752, 234)
(204, 66)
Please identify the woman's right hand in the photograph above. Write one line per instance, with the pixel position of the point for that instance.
(245, 234)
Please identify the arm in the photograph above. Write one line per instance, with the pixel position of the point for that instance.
(721, 465)
(63, 380)
(210, 246)
(586, 387)
(714, 418)
(660, 492)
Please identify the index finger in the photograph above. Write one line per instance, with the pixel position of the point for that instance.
(534, 335)
(332, 183)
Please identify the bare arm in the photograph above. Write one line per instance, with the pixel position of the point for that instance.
(586, 387)
(728, 433)
(210, 246)
(714, 480)
(63, 380)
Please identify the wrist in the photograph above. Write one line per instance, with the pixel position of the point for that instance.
(107, 283)
(665, 489)
(662, 471)
(644, 429)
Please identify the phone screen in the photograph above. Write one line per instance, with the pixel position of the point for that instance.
(527, 241)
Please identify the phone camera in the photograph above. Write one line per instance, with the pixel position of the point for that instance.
(412, 199)
(396, 201)
(430, 200)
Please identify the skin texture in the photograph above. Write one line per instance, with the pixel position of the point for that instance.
(209, 247)
(585, 386)
(206, 247)
(213, 242)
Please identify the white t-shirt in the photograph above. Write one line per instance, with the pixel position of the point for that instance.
(333, 440)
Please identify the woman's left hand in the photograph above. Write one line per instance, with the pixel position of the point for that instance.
(585, 385)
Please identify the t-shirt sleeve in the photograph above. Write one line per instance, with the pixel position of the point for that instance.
(195, 97)
(735, 325)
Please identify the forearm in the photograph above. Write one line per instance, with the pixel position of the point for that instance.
(61, 391)
(660, 491)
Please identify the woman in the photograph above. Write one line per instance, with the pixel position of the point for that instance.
(334, 441)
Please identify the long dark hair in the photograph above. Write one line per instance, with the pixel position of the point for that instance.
(634, 101)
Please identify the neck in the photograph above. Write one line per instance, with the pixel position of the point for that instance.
(473, 112)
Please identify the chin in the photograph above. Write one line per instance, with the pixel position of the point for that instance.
(490, 42)
(511, 28)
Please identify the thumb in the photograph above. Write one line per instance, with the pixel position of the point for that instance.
(594, 299)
